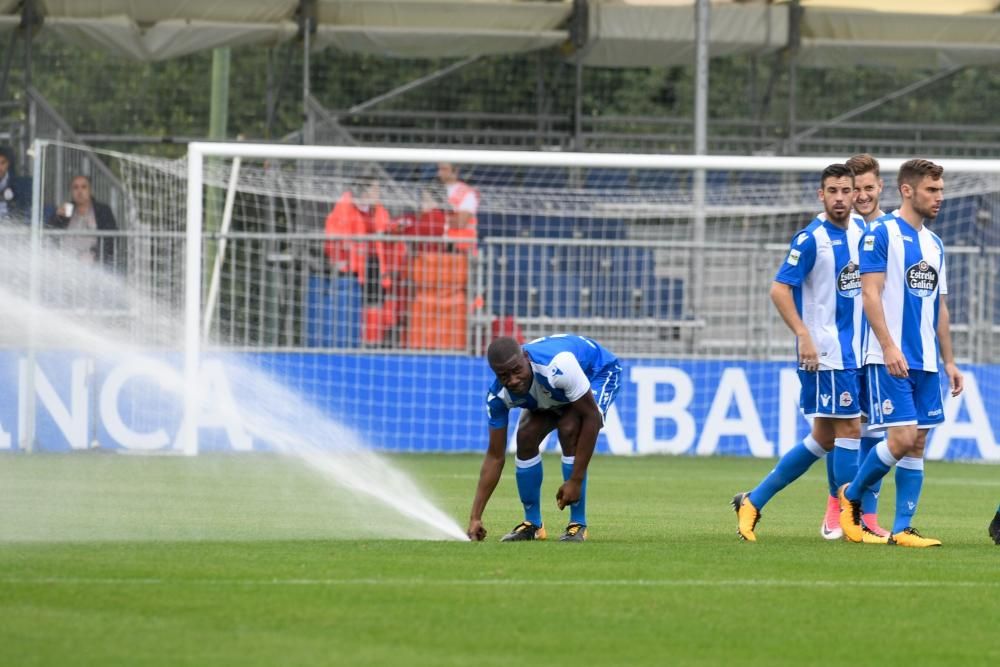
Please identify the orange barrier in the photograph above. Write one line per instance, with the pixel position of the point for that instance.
(439, 311)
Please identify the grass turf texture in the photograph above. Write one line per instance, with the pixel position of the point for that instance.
(663, 579)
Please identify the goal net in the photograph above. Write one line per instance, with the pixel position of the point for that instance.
(370, 282)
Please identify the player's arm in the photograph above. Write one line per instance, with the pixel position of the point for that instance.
(459, 219)
(784, 302)
(792, 273)
(874, 257)
(591, 423)
(872, 285)
(955, 380)
(489, 476)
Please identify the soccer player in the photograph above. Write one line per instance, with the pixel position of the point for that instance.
(561, 382)
(816, 292)
(994, 529)
(842, 463)
(904, 281)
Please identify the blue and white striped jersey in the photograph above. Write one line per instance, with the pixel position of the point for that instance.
(914, 267)
(563, 366)
(823, 270)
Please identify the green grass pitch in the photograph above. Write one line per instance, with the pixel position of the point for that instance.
(251, 560)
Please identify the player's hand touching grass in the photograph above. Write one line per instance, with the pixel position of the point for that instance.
(476, 531)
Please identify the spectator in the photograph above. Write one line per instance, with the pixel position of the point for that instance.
(84, 213)
(378, 265)
(463, 202)
(15, 192)
(430, 220)
(359, 216)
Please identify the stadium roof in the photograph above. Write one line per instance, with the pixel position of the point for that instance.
(620, 33)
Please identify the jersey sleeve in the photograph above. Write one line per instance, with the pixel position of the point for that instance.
(874, 253)
(496, 410)
(569, 376)
(943, 276)
(799, 261)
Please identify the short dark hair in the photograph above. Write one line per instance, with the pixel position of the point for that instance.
(913, 171)
(502, 350)
(863, 163)
(836, 170)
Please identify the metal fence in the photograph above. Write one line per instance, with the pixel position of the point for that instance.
(284, 292)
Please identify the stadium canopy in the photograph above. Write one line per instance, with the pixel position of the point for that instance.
(829, 33)
(616, 33)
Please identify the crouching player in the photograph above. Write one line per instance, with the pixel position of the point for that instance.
(561, 382)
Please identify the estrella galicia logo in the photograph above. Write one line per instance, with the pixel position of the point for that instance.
(921, 279)
(849, 280)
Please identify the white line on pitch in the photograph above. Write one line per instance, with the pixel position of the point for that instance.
(362, 581)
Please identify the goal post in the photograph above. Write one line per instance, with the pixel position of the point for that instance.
(728, 344)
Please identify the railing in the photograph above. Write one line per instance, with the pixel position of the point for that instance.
(647, 134)
(284, 292)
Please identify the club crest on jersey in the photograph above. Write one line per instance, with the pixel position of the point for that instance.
(921, 279)
(793, 257)
(845, 399)
(849, 280)
(887, 407)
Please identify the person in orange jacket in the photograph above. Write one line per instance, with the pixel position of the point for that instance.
(463, 201)
(369, 261)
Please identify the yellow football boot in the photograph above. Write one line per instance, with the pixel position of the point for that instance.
(909, 537)
(747, 516)
(850, 516)
(869, 536)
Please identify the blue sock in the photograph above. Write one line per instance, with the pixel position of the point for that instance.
(578, 510)
(791, 466)
(869, 498)
(875, 466)
(831, 471)
(909, 480)
(529, 487)
(845, 461)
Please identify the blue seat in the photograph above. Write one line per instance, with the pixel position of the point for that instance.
(493, 175)
(631, 288)
(491, 223)
(766, 179)
(668, 300)
(553, 227)
(520, 274)
(604, 228)
(599, 178)
(560, 295)
(401, 171)
(660, 179)
(544, 177)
